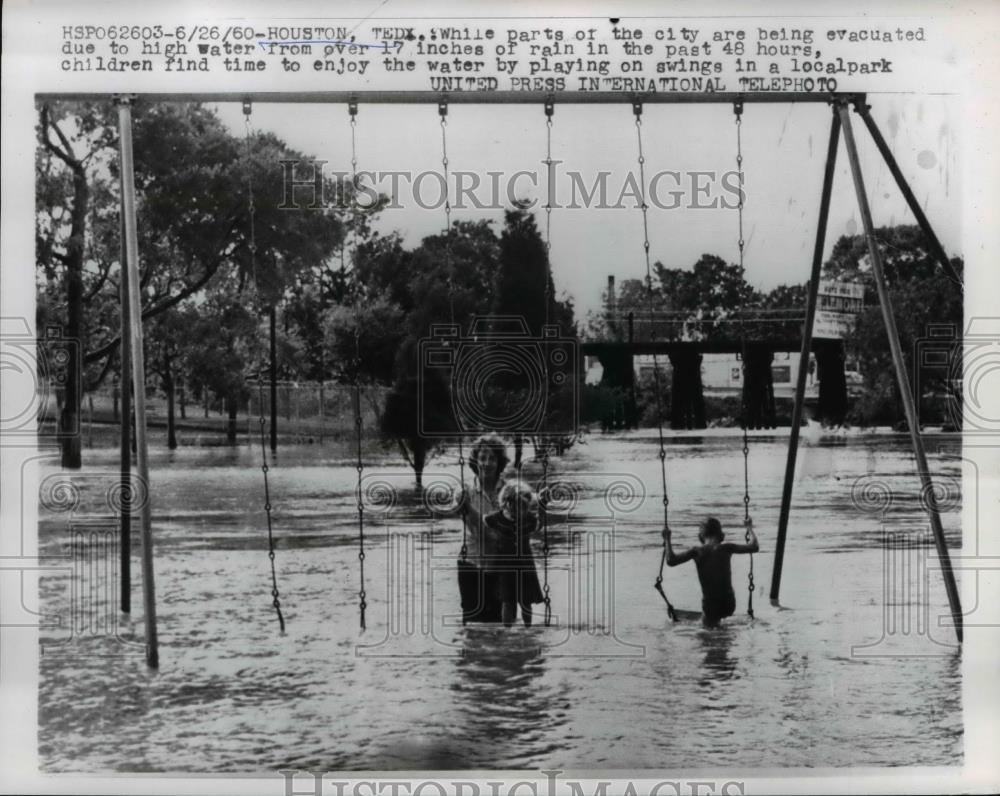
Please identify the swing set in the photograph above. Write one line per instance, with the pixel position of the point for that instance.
(840, 104)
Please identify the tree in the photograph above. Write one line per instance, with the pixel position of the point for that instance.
(707, 296)
(169, 342)
(524, 289)
(408, 416)
(222, 368)
(191, 183)
(380, 327)
(920, 292)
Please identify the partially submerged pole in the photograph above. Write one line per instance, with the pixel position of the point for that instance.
(807, 335)
(902, 379)
(138, 374)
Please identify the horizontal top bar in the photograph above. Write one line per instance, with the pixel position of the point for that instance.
(471, 97)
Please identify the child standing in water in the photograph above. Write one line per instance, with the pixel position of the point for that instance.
(712, 560)
(517, 578)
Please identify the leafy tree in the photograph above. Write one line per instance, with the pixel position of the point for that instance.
(408, 415)
(222, 368)
(524, 288)
(381, 331)
(632, 298)
(920, 292)
(191, 184)
(707, 296)
(170, 341)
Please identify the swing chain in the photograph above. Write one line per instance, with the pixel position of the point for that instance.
(549, 110)
(658, 583)
(546, 597)
(275, 597)
(251, 205)
(443, 113)
(738, 110)
(252, 249)
(352, 109)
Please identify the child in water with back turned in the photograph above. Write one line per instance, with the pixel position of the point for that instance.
(712, 559)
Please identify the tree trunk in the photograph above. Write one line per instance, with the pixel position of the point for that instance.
(168, 388)
(183, 400)
(419, 459)
(233, 405)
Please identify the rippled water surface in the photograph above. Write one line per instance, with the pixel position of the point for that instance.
(855, 671)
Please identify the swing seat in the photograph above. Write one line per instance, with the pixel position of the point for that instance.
(684, 615)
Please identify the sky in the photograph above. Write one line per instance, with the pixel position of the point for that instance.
(784, 148)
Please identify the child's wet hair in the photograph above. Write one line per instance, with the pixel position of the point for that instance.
(515, 492)
(710, 527)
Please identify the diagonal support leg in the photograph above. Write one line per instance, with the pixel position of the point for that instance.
(902, 379)
(800, 382)
(864, 111)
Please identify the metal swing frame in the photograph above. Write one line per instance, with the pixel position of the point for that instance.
(840, 103)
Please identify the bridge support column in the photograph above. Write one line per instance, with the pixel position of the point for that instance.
(758, 388)
(619, 374)
(687, 399)
(832, 407)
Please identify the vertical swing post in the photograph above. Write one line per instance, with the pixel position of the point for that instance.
(125, 450)
(864, 111)
(138, 372)
(902, 379)
(807, 335)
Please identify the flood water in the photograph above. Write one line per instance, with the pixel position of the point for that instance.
(853, 670)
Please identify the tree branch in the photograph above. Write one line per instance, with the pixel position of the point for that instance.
(100, 283)
(66, 155)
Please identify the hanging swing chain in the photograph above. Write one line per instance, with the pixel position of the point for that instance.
(352, 109)
(252, 249)
(738, 110)
(658, 585)
(449, 267)
(546, 598)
